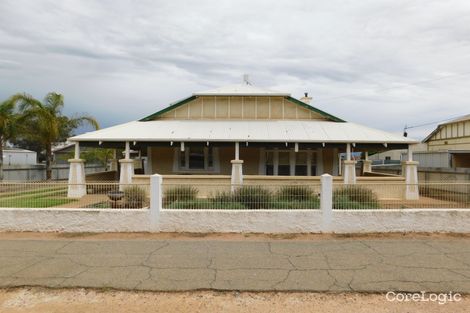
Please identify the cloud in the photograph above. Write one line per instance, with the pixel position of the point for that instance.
(121, 60)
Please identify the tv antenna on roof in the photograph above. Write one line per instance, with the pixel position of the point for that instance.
(246, 79)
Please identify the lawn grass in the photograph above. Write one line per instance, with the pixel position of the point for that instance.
(33, 202)
(33, 191)
(36, 198)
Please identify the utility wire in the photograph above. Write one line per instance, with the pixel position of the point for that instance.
(431, 123)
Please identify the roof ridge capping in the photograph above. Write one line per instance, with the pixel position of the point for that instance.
(240, 90)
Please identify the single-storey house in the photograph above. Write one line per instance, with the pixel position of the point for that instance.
(242, 130)
(451, 141)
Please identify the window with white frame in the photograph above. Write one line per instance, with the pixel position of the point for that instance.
(196, 158)
(290, 163)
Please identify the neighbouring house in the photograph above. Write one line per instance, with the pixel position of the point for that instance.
(16, 156)
(241, 131)
(444, 155)
(449, 144)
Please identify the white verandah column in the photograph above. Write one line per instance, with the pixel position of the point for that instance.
(349, 174)
(77, 184)
(237, 169)
(127, 168)
(366, 163)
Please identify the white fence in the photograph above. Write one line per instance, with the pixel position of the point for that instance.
(37, 172)
(156, 218)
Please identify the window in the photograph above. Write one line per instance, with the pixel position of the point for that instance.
(284, 164)
(195, 158)
(279, 162)
(301, 164)
(269, 162)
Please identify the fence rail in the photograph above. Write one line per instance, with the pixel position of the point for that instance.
(99, 195)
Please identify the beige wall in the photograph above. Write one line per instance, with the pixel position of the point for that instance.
(237, 108)
(162, 160)
(226, 154)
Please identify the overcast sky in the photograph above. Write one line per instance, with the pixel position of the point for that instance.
(380, 63)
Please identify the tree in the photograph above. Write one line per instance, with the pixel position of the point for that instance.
(8, 118)
(46, 124)
(93, 155)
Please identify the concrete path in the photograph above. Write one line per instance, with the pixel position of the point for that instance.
(374, 265)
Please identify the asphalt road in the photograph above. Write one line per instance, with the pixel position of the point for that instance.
(369, 265)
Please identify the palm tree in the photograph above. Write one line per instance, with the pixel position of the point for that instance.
(45, 122)
(8, 119)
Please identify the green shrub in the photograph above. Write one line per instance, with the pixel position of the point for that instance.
(181, 193)
(355, 197)
(296, 205)
(134, 196)
(295, 193)
(222, 197)
(253, 197)
(190, 204)
(205, 204)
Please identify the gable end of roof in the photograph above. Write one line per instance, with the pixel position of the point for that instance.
(191, 98)
(168, 108)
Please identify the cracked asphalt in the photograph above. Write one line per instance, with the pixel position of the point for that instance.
(326, 265)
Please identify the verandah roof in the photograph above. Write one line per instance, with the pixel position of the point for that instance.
(260, 131)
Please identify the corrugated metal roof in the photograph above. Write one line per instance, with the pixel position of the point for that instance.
(243, 131)
(240, 90)
(462, 118)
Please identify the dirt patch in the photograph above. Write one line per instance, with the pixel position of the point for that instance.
(84, 300)
(220, 236)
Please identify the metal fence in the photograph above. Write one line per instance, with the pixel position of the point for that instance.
(444, 195)
(225, 196)
(392, 196)
(99, 195)
(246, 197)
(302, 197)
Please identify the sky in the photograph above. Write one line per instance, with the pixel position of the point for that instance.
(385, 64)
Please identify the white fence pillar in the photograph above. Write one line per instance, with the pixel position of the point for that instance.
(156, 200)
(77, 184)
(410, 171)
(326, 200)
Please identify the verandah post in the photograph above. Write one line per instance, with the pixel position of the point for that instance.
(237, 169)
(326, 200)
(349, 173)
(156, 200)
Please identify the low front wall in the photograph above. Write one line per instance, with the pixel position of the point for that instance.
(75, 220)
(260, 221)
(312, 221)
